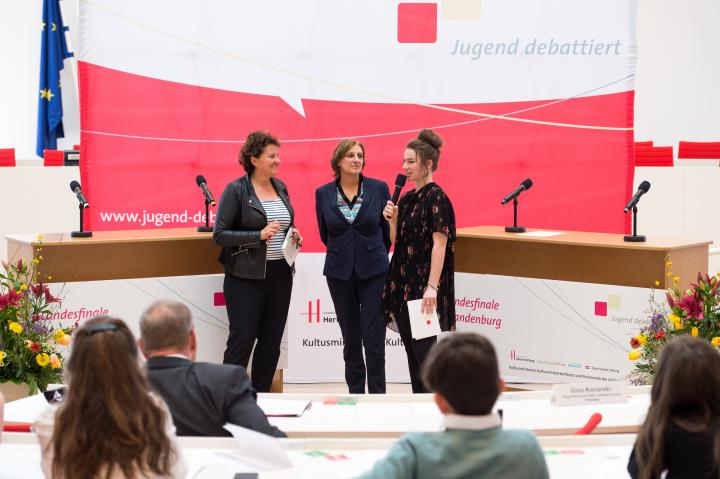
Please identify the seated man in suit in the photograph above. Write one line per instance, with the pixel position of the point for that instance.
(201, 396)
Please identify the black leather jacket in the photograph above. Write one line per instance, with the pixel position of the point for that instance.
(240, 218)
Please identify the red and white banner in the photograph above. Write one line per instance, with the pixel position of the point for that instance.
(517, 88)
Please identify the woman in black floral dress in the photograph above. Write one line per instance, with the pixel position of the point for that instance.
(422, 228)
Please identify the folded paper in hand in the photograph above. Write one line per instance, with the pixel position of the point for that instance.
(290, 248)
(422, 325)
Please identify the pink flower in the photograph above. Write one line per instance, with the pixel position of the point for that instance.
(692, 305)
(11, 298)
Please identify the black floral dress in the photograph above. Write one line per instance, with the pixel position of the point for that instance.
(420, 214)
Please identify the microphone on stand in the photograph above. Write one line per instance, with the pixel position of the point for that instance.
(525, 185)
(200, 180)
(75, 188)
(642, 189)
(399, 183)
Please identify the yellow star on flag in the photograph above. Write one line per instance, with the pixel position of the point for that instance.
(44, 25)
(47, 94)
(54, 27)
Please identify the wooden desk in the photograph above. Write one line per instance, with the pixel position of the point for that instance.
(601, 258)
(120, 254)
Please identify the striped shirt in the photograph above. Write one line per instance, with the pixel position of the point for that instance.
(276, 211)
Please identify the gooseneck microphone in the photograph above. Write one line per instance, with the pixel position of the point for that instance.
(525, 185)
(200, 180)
(399, 183)
(642, 189)
(75, 188)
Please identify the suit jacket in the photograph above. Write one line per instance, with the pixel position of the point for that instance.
(204, 396)
(361, 246)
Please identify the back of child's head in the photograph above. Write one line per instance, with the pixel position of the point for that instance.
(463, 369)
(685, 391)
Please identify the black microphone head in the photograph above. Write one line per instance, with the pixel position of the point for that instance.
(200, 179)
(400, 180)
(527, 183)
(644, 186)
(74, 185)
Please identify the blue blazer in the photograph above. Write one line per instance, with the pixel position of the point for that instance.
(361, 246)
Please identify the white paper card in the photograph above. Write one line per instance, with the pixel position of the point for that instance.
(542, 234)
(422, 325)
(290, 248)
(283, 407)
(258, 449)
(589, 393)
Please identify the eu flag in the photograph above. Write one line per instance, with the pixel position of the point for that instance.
(53, 52)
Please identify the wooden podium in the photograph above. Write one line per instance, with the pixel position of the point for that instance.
(123, 255)
(582, 257)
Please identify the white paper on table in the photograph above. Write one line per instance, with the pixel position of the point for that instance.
(422, 325)
(27, 409)
(258, 449)
(290, 248)
(541, 234)
(283, 407)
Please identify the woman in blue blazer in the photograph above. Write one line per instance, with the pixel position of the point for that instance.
(349, 213)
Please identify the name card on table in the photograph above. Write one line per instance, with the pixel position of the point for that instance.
(589, 393)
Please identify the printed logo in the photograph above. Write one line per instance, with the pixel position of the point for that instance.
(614, 301)
(218, 299)
(316, 312)
(417, 23)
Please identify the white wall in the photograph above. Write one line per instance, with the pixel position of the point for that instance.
(19, 76)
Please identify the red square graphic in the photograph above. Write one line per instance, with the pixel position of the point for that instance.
(219, 299)
(417, 23)
(600, 308)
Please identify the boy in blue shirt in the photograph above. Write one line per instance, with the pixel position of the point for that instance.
(462, 371)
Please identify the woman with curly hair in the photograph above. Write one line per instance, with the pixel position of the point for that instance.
(253, 218)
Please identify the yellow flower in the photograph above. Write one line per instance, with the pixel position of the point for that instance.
(669, 263)
(715, 341)
(49, 277)
(39, 237)
(59, 335)
(641, 339)
(23, 287)
(15, 327)
(669, 273)
(676, 279)
(657, 283)
(55, 361)
(2, 357)
(43, 359)
(694, 331)
(634, 355)
(65, 340)
(35, 261)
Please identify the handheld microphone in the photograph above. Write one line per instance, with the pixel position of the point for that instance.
(525, 185)
(642, 189)
(75, 188)
(399, 183)
(200, 180)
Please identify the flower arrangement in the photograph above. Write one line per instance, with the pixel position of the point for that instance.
(694, 311)
(30, 344)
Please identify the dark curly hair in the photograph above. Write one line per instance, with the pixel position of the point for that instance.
(255, 144)
(427, 146)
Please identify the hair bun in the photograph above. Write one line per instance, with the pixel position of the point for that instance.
(429, 137)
